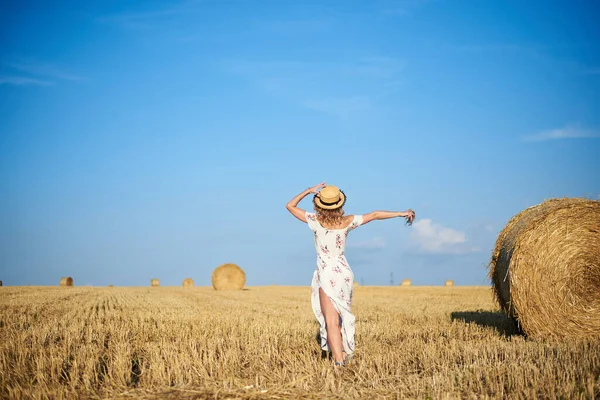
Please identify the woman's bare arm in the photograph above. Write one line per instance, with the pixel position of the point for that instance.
(292, 205)
(379, 215)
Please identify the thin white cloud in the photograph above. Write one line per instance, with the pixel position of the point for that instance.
(342, 107)
(569, 132)
(403, 7)
(294, 26)
(323, 86)
(23, 81)
(366, 68)
(146, 19)
(492, 47)
(430, 237)
(137, 21)
(589, 70)
(45, 70)
(375, 243)
(395, 11)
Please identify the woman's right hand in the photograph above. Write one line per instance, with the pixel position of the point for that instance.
(316, 188)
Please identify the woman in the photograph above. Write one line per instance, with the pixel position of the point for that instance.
(333, 279)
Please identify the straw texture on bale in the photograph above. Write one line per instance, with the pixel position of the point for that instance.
(188, 282)
(155, 282)
(406, 282)
(66, 281)
(228, 277)
(545, 269)
(449, 283)
(505, 244)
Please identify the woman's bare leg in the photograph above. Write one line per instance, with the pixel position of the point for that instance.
(332, 324)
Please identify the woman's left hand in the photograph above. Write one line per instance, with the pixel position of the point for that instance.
(410, 217)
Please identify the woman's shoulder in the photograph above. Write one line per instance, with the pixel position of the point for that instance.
(348, 218)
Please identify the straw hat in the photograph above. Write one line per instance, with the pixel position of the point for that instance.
(330, 198)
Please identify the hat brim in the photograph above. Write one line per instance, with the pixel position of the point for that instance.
(333, 206)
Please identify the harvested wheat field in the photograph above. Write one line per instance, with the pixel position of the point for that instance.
(168, 342)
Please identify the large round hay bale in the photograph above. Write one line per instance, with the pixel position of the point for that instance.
(228, 277)
(66, 281)
(155, 282)
(505, 244)
(188, 282)
(406, 282)
(546, 269)
(449, 283)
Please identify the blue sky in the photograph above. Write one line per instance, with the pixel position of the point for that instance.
(162, 139)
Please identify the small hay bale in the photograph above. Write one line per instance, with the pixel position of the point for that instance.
(155, 282)
(0, 283)
(228, 277)
(406, 282)
(111, 285)
(188, 282)
(548, 264)
(449, 283)
(66, 281)
(355, 284)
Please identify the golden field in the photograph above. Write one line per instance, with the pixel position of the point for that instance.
(175, 342)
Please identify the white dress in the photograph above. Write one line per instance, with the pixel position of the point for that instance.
(334, 276)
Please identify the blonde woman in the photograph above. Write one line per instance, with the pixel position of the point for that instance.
(333, 279)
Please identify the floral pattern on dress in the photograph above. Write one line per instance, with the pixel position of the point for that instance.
(338, 241)
(323, 264)
(335, 277)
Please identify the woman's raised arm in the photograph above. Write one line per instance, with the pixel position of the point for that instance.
(378, 215)
(292, 205)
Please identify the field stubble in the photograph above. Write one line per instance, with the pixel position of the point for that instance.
(173, 342)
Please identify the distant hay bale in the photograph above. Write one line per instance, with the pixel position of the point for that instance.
(228, 277)
(545, 268)
(188, 282)
(0, 283)
(449, 283)
(355, 284)
(406, 282)
(155, 282)
(111, 285)
(66, 281)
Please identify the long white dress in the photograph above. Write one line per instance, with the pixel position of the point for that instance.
(334, 276)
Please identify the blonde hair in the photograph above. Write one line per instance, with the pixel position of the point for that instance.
(332, 218)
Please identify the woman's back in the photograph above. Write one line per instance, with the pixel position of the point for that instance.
(332, 242)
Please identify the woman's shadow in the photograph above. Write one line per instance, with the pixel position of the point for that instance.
(498, 320)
